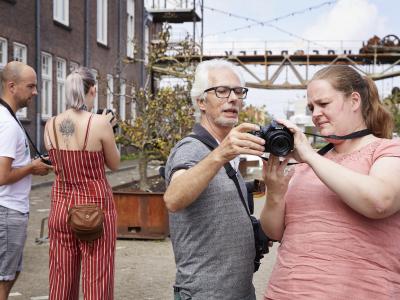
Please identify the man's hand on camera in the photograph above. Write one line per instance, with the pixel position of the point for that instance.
(239, 141)
(39, 167)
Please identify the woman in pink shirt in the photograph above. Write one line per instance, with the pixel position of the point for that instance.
(337, 216)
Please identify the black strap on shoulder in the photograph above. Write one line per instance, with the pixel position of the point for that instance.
(207, 139)
(350, 136)
(6, 105)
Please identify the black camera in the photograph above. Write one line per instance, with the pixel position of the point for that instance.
(100, 111)
(46, 161)
(278, 139)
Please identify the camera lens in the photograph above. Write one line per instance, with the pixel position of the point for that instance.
(280, 143)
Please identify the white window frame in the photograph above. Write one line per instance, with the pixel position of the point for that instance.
(110, 91)
(20, 53)
(122, 100)
(102, 21)
(3, 52)
(130, 31)
(61, 67)
(47, 85)
(73, 66)
(96, 98)
(23, 52)
(61, 11)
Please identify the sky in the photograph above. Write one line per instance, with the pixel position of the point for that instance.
(300, 24)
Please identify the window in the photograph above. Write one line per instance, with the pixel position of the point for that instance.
(20, 52)
(102, 21)
(73, 66)
(96, 98)
(61, 11)
(47, 72)
(3, 52)
(61, 74)
(110, 91)
(122, 100)
(130, 39)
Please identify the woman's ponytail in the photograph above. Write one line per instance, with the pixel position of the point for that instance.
(377, 118)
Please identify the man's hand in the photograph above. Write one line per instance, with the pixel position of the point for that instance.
(239, 141)
(38, 167)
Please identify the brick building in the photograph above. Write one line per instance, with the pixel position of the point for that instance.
(57, 36)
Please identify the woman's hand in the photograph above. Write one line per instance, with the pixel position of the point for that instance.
(111, 118)
(302, 148)
(276, 175)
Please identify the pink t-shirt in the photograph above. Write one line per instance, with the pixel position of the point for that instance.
(329, 251)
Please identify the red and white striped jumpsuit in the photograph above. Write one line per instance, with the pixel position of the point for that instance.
(85, 182)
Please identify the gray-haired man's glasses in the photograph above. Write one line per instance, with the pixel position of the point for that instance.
(225, 91)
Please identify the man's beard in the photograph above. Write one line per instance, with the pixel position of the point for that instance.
(22, 103)
(226, 122)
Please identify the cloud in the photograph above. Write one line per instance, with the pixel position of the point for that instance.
(348, 20)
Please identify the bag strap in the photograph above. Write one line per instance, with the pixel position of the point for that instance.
(57, 148)
(211, 143)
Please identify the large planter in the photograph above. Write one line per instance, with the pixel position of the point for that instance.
(140, 214)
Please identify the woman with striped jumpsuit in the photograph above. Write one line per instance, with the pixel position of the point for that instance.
(85, 145)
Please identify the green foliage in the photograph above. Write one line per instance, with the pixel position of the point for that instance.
(162, 121)
(392, 102)
(166, 115)
(129, 156)
(255, 115)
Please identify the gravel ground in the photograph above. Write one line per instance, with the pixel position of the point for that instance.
(144, 269)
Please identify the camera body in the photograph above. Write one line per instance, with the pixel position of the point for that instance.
(100, 111)
(46, 161)
(279, 140)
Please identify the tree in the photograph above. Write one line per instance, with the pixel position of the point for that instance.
(392, 102)
(163, 115)
(256, 115)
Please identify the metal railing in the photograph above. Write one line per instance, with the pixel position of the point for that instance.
(280, 47)
(169, 4)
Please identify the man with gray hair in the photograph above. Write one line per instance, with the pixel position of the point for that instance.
(211, 232)
(18, 82)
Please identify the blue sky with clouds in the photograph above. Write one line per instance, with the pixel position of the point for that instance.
(342, 23)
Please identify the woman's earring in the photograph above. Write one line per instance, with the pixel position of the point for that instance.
(83, 107)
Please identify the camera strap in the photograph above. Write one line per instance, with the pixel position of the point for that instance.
(6, 105)
(207, 139)
(353, 135)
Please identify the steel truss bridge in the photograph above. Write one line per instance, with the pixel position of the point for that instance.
(377, 66)
(299, 65)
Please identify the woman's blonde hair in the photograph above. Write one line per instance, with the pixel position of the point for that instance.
(347, 80)
(77, 86)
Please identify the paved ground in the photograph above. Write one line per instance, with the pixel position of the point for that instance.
(144, 269)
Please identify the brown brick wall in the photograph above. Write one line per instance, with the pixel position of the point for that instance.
(17, 24)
